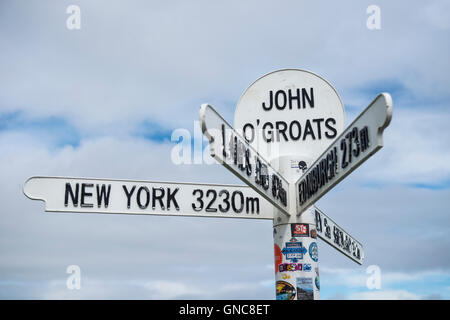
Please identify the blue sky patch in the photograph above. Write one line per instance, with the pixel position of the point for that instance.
(53, 130)
(431, 186)
(153, 131)
(401, 94)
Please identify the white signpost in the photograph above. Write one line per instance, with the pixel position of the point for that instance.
(144, 197)
(334, 235)
(355, 145)
(289, 146)
(229, 148)
(291, 116)
(290, 112)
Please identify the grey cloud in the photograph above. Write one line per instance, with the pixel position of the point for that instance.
(146, 60)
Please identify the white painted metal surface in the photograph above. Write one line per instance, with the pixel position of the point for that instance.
(144, 197)
(230, 149)
(355, 145)
(338, 238)
(290, 112)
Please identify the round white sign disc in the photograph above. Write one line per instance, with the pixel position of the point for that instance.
(290, 112)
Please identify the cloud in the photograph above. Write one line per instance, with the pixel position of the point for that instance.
(385, 295)
(417, 149)
(351, 283)
(170, 290)
(104, 80)
(37, 247)
(358, 277)
(435, 16)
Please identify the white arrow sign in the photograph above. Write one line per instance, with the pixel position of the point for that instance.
(335, 236)
(144, 197)
(355, 145)
(229, 148)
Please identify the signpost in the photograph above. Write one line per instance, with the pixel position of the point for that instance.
(334, 235)
(144, 197)
(290, 112)
(288, 145)
(229, 148)
(355, 145)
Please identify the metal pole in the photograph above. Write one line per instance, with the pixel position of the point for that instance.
(295, 243)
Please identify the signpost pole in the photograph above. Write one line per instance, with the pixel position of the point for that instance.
(296, 260)
(295, 245)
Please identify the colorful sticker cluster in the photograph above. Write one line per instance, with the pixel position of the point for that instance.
(283, 267)
(287, 260)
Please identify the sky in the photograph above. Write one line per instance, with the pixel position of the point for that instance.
(103, 101)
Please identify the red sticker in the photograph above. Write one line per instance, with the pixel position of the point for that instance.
(278, 257)
(300, 229)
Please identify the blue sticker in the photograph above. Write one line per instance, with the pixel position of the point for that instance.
(307, 267)
(314, 252)
(294, 250)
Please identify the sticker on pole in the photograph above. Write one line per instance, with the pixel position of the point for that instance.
(290, 112)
